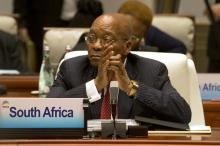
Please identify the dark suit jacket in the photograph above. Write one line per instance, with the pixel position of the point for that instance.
(156, 98)
(10, 53)
(87, 12)
(164, 42)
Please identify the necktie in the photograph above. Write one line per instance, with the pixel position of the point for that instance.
(106, 107)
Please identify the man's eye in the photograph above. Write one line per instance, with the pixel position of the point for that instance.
(91, 38)
(108, 40)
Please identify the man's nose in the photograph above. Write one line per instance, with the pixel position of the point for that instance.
(97, 45)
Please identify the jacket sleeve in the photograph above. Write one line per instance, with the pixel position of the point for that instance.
(62, 87)
(164, 100)
(164, 42)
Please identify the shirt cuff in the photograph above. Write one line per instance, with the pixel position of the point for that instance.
(92, 92)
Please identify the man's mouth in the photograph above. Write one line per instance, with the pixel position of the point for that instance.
(96, 56)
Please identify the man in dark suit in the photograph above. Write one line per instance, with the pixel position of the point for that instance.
(145, 88)
(34, 15)
(10, 52)
(213, 47)
(142, 16)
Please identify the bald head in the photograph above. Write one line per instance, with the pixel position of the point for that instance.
(109, 33)
(116, 22)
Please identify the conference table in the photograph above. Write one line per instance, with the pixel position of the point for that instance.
(21, 86)
(152, 140)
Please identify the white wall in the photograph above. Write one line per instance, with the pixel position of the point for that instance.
(113, 5)
(190, 7)
(6, 6)
(193, 7)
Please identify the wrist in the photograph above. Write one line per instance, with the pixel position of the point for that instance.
(97, 84)
(132, 88)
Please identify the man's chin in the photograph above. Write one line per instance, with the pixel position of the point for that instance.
(94, 63)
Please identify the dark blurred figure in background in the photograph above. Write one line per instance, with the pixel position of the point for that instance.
(148, 37)
(143, 29)
(36, 14)
(10, 52)
(213, 49)
(216, 10)
(87, 11)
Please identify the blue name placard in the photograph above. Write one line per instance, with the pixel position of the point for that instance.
(209, 86)
(41, 113)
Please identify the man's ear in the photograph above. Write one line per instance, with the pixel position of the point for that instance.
(128, 46)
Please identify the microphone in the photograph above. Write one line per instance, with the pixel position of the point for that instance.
(114, 90)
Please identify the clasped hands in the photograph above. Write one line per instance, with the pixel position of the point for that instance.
(111, 68)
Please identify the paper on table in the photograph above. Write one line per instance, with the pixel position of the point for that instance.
(9, 72)
(95, 125)
(194, 129)
(200, 128)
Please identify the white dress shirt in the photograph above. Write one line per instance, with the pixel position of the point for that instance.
(92, 92)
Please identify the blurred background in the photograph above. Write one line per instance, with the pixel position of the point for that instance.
(194, 9)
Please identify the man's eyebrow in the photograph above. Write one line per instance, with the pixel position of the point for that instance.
(91, 31)
(109, 33)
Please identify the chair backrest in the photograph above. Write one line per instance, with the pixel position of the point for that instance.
(8, 24)
(179, 27)
(58, 38)
(183, 77)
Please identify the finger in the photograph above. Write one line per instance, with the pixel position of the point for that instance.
(110, 75)
(103, 67)
(106, 56)
(107, 50)
(113, 68)
(118, 68)
(115, 63)
(116, 58)
(118, 74)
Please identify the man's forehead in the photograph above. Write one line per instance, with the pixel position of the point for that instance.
(104, 19)
(104, 24)
(101, 31)
(116, 24)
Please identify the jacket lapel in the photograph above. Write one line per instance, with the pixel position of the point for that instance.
(125, 103)
(90, 72)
